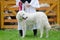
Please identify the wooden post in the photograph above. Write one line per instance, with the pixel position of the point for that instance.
(2, 15)
(58, 13)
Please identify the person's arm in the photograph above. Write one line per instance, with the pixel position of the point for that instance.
(23, 7)
(17, 2)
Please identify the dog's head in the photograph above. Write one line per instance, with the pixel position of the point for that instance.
(22, 15)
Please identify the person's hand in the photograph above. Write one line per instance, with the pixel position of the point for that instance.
(27, 5)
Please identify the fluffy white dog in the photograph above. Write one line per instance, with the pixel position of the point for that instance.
(38, 18)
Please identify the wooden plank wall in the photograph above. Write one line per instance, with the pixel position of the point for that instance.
(54, 6)
(7, 6)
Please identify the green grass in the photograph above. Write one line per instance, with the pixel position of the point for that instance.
(13, 35)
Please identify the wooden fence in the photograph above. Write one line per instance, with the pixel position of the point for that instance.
(8, 13)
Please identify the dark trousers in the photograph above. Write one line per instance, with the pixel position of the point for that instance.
(20, 32)
(34, 32)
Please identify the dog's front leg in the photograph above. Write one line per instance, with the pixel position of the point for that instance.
(24, 29)
(24, 32)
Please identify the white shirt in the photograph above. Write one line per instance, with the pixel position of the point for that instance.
(34, 4)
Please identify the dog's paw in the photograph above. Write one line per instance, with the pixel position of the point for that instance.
(46, 36)
(23, 36)
(40, 36)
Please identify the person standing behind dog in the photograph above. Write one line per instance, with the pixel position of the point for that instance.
(29, 6)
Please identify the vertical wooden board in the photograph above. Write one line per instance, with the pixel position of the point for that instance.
(58, 13)
(2, 15)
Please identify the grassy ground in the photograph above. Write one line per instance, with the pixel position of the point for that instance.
(13, 35)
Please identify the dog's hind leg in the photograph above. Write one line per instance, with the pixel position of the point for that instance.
(47, 33)
(48, 27)
(41, 32)
(40, 27)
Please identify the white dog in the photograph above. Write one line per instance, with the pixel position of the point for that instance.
(38, 18)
